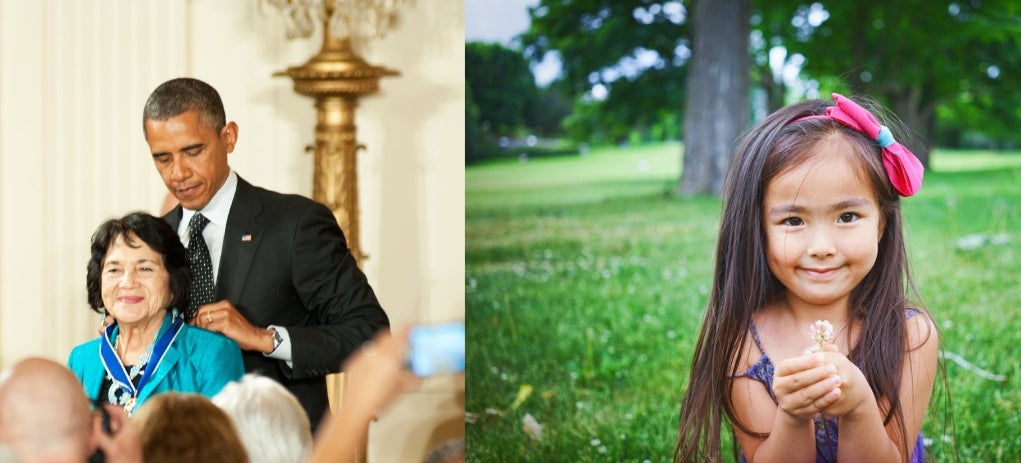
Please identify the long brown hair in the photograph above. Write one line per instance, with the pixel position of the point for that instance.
(743, 283)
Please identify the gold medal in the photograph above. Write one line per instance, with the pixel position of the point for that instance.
(129, 405)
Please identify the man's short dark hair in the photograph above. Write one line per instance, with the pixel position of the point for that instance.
(178, 96)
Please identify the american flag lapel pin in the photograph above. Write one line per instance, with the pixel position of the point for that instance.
(246, 237)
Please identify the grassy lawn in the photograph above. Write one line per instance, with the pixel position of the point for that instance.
(586, 281)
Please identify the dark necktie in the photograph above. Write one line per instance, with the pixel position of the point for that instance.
(201, 265)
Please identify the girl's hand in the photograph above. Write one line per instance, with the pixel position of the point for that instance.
(854, 388)
(806, 385)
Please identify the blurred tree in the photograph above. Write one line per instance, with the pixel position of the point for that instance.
(914, 56)
(547, 112)
(622, 61)
(625, 63)
(501, 84)
(478, 145)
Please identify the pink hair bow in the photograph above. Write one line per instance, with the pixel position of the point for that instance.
(903, 168)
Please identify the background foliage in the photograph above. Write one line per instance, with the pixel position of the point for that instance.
(950, 70)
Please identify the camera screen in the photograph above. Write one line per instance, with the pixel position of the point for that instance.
(436, 349)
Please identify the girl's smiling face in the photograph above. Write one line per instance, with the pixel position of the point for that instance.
(136, 285)
(822, 224)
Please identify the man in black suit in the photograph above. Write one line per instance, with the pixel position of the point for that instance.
(284, 285)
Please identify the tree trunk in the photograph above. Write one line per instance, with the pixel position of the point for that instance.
(918, 118)
(774, 88)
(717, 105)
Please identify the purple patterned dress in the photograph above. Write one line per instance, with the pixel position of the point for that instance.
(825, 436)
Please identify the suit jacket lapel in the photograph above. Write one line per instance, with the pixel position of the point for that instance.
(174, 217)
(240, 241)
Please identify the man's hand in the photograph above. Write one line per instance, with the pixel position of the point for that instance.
(223, 317)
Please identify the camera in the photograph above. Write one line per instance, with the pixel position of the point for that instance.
(436, 349)
(104, 416)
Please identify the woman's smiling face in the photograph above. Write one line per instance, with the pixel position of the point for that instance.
(136, 285)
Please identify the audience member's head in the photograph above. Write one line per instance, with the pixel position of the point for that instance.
(187, 427)
(44, 414)
(270, 420)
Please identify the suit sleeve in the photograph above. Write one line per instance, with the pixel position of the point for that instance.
(334, 291)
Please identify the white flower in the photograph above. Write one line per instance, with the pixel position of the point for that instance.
(821, 333)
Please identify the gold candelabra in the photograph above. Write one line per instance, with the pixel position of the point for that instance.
(337, 77)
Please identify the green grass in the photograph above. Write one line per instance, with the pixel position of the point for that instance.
(586, 281)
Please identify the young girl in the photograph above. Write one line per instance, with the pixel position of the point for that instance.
(811, 230)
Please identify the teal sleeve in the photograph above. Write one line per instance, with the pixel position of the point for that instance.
(78, 362)
(223, 365)
(71, 363)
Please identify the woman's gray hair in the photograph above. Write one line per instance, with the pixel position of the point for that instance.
(270, 420)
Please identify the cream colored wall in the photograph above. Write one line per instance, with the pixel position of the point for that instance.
(73, 79)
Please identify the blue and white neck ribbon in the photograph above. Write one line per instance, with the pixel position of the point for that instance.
(115, 368)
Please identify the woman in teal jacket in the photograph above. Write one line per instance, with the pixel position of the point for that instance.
(139, 275)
